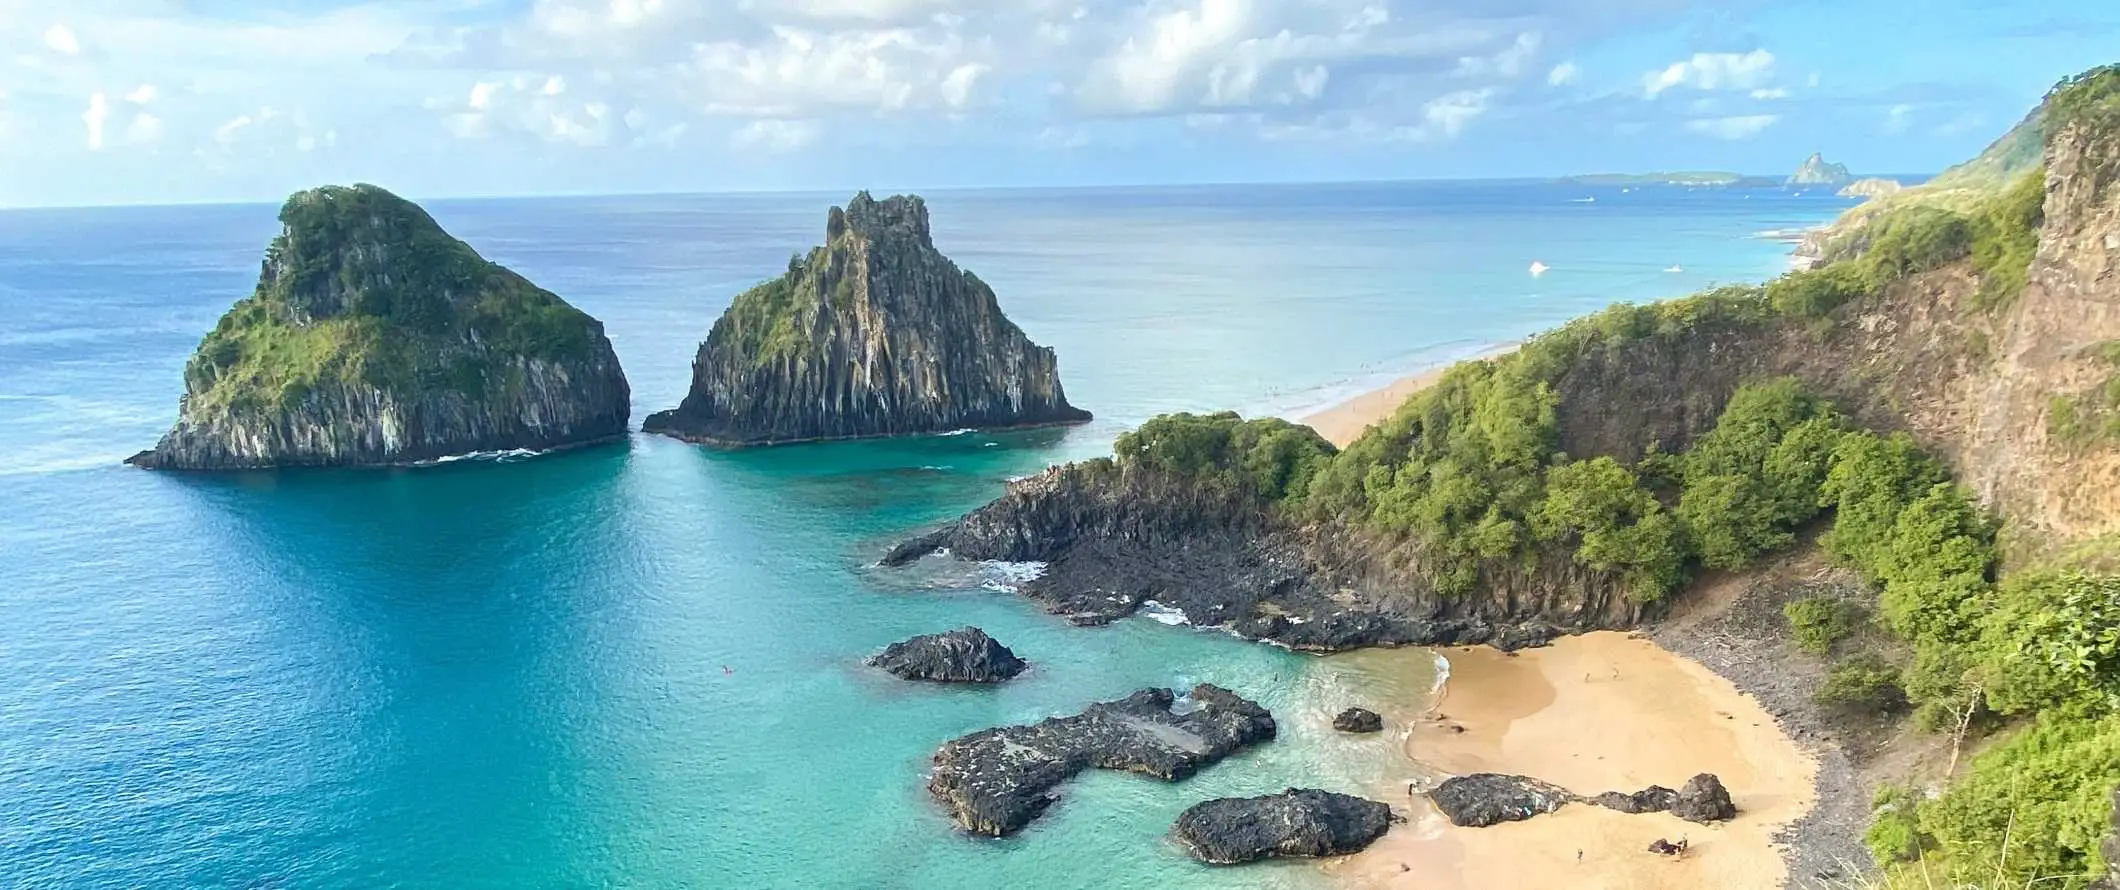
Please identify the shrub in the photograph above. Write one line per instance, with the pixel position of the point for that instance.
(1864, 685)
(2034, 806)
(1895, 829)
(1267, 457)
(1819, 622)
(2053, 642)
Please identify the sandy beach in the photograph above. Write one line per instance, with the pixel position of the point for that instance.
(1595, 713)
(1344, 422)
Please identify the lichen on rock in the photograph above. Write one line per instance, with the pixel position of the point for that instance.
(374, 337)
(873, 333)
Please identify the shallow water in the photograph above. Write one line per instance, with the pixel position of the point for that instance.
(638, 665)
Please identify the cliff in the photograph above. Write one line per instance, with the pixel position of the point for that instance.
(375, 338)
(874, 333)
(1816, 171)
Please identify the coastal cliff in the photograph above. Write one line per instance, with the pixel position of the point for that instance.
(375, 338)
(874, 333)
(1870, 188)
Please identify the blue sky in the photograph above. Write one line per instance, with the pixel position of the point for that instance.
(154, 101)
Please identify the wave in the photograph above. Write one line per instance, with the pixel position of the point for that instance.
(1158, 612)
(506, 456)
(963, 432)
(1009, 577)
(933, 468)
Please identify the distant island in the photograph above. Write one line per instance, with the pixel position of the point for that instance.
(1712, 178)
(1817, 171)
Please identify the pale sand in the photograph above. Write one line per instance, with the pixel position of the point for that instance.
(1345, 422)
(1596, 713)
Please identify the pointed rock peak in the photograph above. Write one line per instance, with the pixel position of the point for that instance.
(339, 211)
(361, 248)
(899, 216)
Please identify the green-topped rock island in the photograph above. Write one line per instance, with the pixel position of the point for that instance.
(875, 333)
(376, 338)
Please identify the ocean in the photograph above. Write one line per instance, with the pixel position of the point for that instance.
(640, 665)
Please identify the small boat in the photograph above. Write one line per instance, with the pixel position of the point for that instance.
(1589, 200)
(1538, 268)
(1676, 268)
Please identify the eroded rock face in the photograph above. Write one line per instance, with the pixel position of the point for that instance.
(1483, 799)
(1294, 823)
(965, 655)
(1358, 720)
(374, 337)
(996, 781)
(875, 333)
(1113, 539)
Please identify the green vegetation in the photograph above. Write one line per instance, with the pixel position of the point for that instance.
(2090, 100)
(1862, 685)
(2032, 808)
(1268, 457)
(1819, 623)
(363, 287)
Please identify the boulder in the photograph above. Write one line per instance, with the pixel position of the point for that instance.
(1704, 799)
(1358, 720)
(1298, 822)
(1483, 799)
(965, 655)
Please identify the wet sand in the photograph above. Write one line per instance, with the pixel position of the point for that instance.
(1603, 712)
(1345, 422)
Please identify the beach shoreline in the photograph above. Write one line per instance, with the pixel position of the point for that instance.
(1343, 422)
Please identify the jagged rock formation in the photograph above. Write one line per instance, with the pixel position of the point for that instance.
(1870, 188)
(1358, 720)
(996, 781)
(1298, 823)
(1115, 538)
(1482, 799)
(965, 655)
(1816, 171)
(875, 333)
(376, 338)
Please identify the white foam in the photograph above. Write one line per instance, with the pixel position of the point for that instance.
(505, 456)
(963, 432)
(1009, 577)
(1158, 612)
(932, 468)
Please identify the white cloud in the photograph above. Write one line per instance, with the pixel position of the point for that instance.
(1744, 126)
(775, 136)
(145, 129)
(1898, 118)
(143, 94)
(1770, 94)
(227, 133)
(482, 95)
(60, 39)
(1448, 115)
(554, 85)
(98, 112)
(1713, 71)
(958, 85)
(1564, 74)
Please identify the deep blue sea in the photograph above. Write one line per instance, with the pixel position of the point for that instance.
(639, 665)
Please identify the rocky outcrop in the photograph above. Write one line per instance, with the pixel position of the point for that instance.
(1358, 720)
(875, 333)
(1113, 539)
(1870, 188)
(996, 781)
(1816, 171)
(1298, 823)
(376, 338)
(965, 655)
(1483, 799)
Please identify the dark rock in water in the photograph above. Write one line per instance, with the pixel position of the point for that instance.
(1483, 799)
(965, 655)
(996, 781)
(1653, 799)
(1113, 537)
(1703, 799)
(374, 337)
(1294, 823)
(1358, 720)
(875, 333)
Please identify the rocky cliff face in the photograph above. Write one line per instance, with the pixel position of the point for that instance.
(1870, 188)
(875, 333)
(1816, 171)
(1114, 540)
(376, 338)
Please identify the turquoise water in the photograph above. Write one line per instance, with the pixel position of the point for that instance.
(638, 665)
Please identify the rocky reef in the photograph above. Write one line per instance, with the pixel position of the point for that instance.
(1816, 171)
(874, 333)
(1358, 720)
(965, 655)
(994, 782)
(1114, 538)
(1297, 823)
(1482, 799)
(375, 338)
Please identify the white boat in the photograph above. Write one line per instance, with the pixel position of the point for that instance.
(1538, 268)
(1676, 269)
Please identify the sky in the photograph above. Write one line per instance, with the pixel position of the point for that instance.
(177, 101)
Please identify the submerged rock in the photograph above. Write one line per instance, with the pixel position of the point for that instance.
(996, 781)
(1483, 799)
(875, 333)
(1299, 822)
(374, 337)
(1358, 720)
(965, 655)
